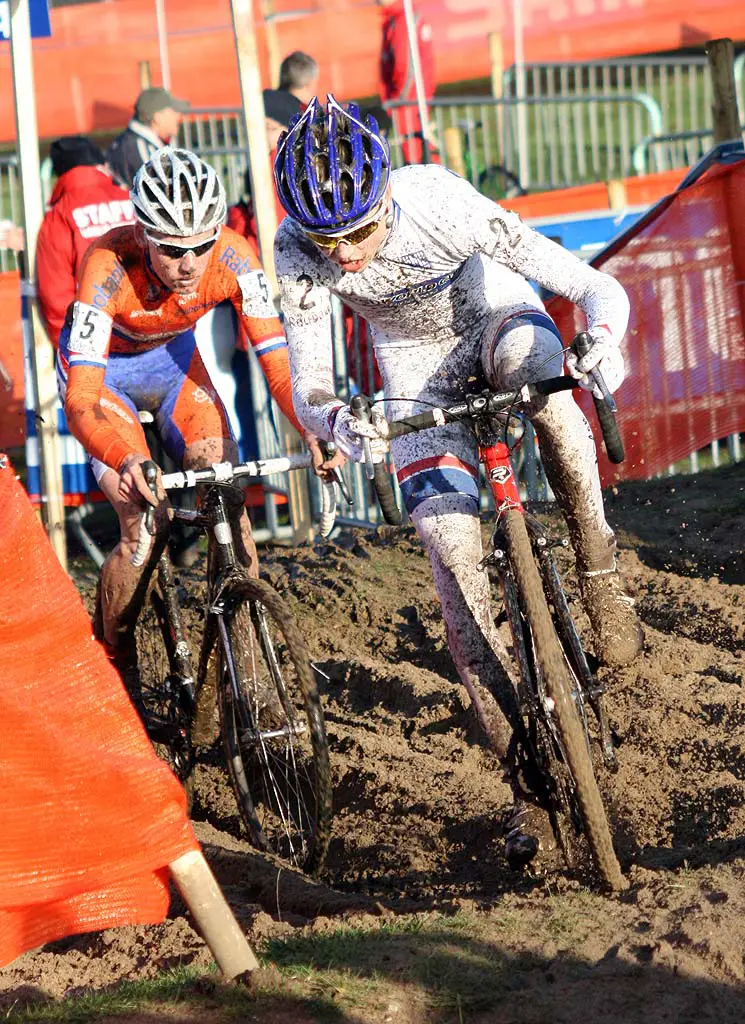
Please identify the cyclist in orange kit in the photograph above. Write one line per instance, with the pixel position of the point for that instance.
(128, 345)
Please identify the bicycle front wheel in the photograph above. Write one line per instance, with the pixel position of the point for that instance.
(163, 704)
(549, 655)
(272, 726)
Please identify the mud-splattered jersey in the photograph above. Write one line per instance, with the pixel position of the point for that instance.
(451, 260)
(122, 307)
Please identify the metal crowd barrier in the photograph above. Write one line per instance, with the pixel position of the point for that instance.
(676, 149)
(545, 143)
(10, 203)
(679, 84)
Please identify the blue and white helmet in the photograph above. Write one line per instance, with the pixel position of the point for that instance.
(177, 193)
(331, 168)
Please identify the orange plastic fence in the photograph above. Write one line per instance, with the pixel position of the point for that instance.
(683, 267)
(89, 817)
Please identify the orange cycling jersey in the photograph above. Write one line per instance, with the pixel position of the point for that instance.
(123, 308)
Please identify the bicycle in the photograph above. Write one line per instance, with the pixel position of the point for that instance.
(496, 181)
(270, 715)
(556, 683)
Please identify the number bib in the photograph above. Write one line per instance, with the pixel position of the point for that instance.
(256, 299)
(89, 335)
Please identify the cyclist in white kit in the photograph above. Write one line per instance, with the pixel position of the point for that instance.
(441, 274)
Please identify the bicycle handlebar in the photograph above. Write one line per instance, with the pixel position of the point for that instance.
(491, 404)
(377, 471)
(605, 407)
(225, 472)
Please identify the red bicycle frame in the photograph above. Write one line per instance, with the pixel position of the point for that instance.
(500, 475)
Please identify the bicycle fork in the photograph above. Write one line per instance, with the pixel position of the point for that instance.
(178, 649)
(495, 456)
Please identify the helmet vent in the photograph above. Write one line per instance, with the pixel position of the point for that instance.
(176, 193)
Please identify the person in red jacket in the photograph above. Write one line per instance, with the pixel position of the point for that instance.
(84, 205)
(397, 74)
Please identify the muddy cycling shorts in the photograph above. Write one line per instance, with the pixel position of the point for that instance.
(169, 381)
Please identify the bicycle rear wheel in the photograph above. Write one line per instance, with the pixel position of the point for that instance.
(272, 725)
(549, 656)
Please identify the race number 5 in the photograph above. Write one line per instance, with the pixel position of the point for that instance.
(89, 325)
(257, 300)
(89, 335)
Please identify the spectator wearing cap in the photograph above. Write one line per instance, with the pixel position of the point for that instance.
(298, 76)
(84, 205)
(155, 124)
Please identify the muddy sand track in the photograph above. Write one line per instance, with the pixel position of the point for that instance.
(418, 800)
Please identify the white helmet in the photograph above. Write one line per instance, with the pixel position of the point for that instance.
(177, 193)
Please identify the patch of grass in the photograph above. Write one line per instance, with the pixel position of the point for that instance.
(447, 959)
(192, 996)
(176, 986)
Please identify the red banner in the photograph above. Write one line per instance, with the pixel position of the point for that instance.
(683, 268)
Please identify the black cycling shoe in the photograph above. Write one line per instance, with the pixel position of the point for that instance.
(527, 833)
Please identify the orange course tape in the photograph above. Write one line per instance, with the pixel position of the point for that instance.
(89, 817)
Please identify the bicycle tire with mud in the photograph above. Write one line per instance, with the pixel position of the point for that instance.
(242, 597)
(550, 656)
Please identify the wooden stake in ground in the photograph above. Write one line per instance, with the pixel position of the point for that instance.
(213, 916)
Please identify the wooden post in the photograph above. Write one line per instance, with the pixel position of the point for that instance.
(453, 137)
(212, 915)
(262, 187)
(616, 194)
(146, 78)
(272, 42)
(496, 62)
(262, 191)
(40, 351)
(724, 103)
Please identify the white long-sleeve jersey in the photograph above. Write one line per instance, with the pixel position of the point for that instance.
(451, 261)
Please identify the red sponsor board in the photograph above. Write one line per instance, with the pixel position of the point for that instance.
(682, 267)
(87, 73)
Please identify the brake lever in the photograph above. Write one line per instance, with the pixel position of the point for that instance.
(599, 381)
(150, 472)
(329, 449)
(360, 406)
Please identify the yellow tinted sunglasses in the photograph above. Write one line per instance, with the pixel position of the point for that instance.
(353, 237)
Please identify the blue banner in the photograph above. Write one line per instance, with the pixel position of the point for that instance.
(38, 14)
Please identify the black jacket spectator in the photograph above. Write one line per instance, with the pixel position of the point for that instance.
(156, 121)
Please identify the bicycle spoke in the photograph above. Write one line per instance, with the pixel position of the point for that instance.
(280, 748)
